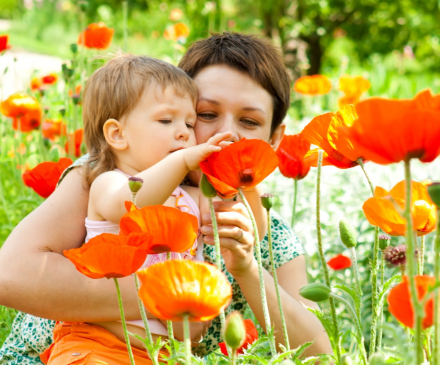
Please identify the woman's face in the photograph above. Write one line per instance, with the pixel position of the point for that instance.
(230, 100)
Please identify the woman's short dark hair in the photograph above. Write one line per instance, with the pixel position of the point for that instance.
(250, 54)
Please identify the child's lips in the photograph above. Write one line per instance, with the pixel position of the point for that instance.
(177, 149)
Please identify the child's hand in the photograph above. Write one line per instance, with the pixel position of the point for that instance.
(194, 155)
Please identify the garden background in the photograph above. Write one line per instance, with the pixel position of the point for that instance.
(395, 45)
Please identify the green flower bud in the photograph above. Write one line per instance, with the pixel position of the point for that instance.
(235, 332)
(74, 48)
(207, 188)
(316, 292)
(384, 241)
(348, 233)
(346, 360)
(268, 200)
(434, 193)
(377, 359)
(135, 184)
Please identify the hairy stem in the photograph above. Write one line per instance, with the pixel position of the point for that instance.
(421, 255)
(295, 194)
(382, 281)
(436, 352)
(187, 340)
(357, 285)
(170, 325)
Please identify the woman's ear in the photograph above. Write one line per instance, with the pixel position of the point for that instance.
(277, 136)
(114, 134)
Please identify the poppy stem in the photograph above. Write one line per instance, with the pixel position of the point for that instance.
(436, 351)
(124, 324)
(357, 284)
(421, 255)
(260, 272)
(322, 257)
(218, 256)
(187, 340)
(374, 271)
(275, 280)
(295, 193)
(382, 281)
(233, 356)
(170, 325)
(145, 320)
(418, 310)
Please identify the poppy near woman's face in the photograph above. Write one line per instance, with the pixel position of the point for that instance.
(291, 153)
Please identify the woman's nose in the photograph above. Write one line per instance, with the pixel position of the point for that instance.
(228, 124)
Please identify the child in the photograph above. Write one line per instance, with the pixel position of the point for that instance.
(139, 115)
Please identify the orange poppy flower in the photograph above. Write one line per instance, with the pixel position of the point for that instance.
(51, 128)
(251, 337)
(4, 43)
(187, 288)
(313, 85)
(77, 91)
(78, 137)
(322, 131)
(243, 164)
(36, 83)
(44, 177)
(387, 131)
(176, 31)
(400, 303)
(24, 110)
(96, 35)
(109, 256)
(353, 87)
(339, 262)
(291, 154)
(381, 211)
(50, 79)
(172, 230)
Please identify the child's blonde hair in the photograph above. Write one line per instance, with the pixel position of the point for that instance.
(113, 91)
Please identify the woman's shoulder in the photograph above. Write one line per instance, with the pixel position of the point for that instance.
(79, 162)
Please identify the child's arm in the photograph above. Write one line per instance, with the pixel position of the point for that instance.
(110, 190)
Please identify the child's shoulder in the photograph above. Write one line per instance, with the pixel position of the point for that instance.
(107, 179)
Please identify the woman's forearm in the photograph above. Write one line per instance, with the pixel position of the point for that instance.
(302, 325)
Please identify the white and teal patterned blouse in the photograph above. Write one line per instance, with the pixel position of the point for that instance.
(31, 335)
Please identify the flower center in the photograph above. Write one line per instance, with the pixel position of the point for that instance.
(246, 176)
(160, 248)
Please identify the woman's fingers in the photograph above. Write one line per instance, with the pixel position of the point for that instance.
(230, 206)
(229, 219)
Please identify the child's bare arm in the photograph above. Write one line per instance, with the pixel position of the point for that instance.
(110, 190)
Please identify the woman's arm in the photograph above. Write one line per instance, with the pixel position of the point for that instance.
(302, 325)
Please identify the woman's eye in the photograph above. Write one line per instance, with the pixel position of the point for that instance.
(165, 121)
(206, 115)
(250, 123)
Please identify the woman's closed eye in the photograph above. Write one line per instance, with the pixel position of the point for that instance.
(249, 123)
(207, 116)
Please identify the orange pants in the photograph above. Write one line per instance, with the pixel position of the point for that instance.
(87, 344)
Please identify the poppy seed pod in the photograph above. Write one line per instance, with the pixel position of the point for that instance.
(74, 48)
(384, 241)
(434, 193)
(135, 184)
(395, 255)
(207, 188)
(348, 233)
(268, 200)
(235, 332)
(316, 292)
(346, 360)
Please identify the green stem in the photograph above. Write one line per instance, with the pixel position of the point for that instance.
(217, 251)
(233, 357)
(260, 272)
(295, 193)
(170, 325)
(322, 256)
(275, 280)
(421, 255)
(411, 267)
(374, 272)
(382, 281)
(357, 323)
(357, 285)
(124, 324)
(187, 340)
(436, 351)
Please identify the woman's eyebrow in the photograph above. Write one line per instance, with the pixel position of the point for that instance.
(252, 109)
(215, 102)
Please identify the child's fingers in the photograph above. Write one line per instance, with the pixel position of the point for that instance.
(219, 137)
(224, 144)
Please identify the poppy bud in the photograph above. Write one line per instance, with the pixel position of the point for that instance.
(268, 200)
(346, 360)
(75, 99)
(316, 292)
(62, 111)
(207, 188)
(74, 48)
(348, 233)
(434, 193)
(395, 255)
(235, 332)
(384, 241)
(377, 359)
(83, 5)
(135, 184)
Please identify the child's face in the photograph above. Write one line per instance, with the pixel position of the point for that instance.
(160, 124)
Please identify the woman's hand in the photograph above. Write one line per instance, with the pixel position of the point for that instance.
(236, 235)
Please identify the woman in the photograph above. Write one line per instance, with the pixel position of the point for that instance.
(244, 88)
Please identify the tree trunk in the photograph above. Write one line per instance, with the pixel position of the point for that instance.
(315, 53)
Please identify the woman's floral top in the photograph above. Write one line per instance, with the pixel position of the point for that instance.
(31, 335)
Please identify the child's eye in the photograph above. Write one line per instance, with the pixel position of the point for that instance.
(189, 125)
(165, 121)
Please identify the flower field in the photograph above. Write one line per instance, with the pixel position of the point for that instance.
(354, 180)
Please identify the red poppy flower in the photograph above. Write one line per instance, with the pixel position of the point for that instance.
(24, 110)
(187, 288)
(52, 128)
(322, 131)
(243, 164)
(387, 131)
(96, 35)
(36, 83)
(78, 137)
(313, 85)
(339, 262)
(44, 177)
(172, 230)
(109, 256)
(400, 303)
(251, 337)
(291, 154)
(4, 43)
(50, 79)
